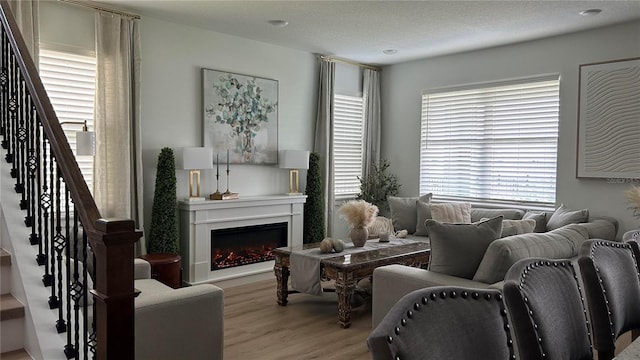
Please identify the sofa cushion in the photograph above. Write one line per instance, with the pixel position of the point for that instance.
(451, 212)
(540, 218)
(563, 216)
(560, 243)
(510, 214)
(424, 213)
(522, 226)
(404, 213)
(457, 249)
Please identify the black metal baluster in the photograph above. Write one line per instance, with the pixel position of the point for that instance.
(4, 79)
(55, 212)
(22, 139)
(93, 337)
(43, 222)
(75, 293)
(32, 166)
(59, 243)
(85, 298)
(12, 106)
(36, 233)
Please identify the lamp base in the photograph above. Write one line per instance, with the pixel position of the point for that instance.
(195, 199)
(294, 193)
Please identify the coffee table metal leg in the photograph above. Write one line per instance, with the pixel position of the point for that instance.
(282, 278)
(345, 285)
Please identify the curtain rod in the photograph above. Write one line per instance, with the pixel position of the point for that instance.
(101, 8)
(329, 58)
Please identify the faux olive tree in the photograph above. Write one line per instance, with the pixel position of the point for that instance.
(314, 206)
(163, 234)
(377, 185)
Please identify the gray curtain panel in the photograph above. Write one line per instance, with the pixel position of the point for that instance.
(323, 143)
(371, 145)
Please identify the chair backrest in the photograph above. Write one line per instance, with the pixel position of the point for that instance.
(444, 322)
(546, 310)
(612, 287)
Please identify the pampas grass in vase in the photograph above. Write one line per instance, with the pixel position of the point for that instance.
(359, 214)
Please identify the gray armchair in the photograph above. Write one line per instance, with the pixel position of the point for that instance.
(547, 314)
(185, 323)
(444, 322)
(612, 287)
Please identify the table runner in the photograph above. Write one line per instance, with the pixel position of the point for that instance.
(305, 264)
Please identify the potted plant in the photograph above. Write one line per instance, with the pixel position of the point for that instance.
(377, 185)
(314, 206)
(163, 233)
(359, 214)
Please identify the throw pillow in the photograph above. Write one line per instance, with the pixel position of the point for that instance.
(403, 211)
(380, 224)
(563, 216)
(515, 227)
(457, 249)
(424, 213)
(561, 243)
(451, 212)
(540, 218)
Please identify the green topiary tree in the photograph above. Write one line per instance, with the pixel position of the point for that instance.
(375, 187)
(163, 234)
(314, 207)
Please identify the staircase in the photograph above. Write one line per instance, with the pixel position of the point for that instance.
(12, 320)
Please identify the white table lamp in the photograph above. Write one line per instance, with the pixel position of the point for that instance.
(194, 159)
(294, 160)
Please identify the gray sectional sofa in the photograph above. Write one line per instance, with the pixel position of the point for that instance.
(469, 255)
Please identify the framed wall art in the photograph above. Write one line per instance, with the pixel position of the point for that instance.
(241, 117)
(609, 120)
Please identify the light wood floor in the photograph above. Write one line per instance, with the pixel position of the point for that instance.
(256, 327)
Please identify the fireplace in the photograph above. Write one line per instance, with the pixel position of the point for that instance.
(200, 222)
(246, 245)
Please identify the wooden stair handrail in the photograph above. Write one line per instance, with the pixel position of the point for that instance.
(112, 240)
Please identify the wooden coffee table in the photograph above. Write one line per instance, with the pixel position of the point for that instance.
(348, 270)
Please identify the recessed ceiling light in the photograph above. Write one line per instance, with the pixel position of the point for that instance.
(590, 12)
(389, 51)
(278, 23)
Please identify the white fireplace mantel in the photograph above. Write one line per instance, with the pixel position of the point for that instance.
(197, 219)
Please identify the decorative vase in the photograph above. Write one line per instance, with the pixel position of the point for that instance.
(359, 236)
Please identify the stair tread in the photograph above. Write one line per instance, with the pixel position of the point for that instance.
(20, 354)
(5, 258)
(10, 307)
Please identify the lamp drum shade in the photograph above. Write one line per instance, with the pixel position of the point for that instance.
(85, 143)
(294, 159)
(194, 158)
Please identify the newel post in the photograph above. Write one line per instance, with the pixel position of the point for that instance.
(113, 246)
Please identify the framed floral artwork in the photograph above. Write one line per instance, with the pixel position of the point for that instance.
(240, 117)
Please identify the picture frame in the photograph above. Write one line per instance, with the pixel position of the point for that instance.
(608, 143)
(240, 117)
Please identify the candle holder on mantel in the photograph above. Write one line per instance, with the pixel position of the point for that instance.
(227, 195)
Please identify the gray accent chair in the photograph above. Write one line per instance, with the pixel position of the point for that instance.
(612, 288)
(185, 323)
(547, 314)
(444, 322)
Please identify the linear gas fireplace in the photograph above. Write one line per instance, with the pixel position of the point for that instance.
(246, 245)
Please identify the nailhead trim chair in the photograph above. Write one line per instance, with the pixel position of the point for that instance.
(444, 322)
(547, 310)
(612, 287)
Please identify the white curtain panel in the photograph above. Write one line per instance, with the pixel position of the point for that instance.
(371, 131)
(118, 161)
(26, 14)
(323, 142)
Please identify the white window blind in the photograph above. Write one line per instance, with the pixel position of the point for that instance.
(69, 80)
(492, 144)
(348, 116)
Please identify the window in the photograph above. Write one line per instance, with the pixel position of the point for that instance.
(69, 80)
(348, 116)
(492, 144)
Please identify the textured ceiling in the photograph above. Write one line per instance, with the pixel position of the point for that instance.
(361, 30)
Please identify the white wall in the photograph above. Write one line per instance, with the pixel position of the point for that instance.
(171, 99)
(402, 86)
